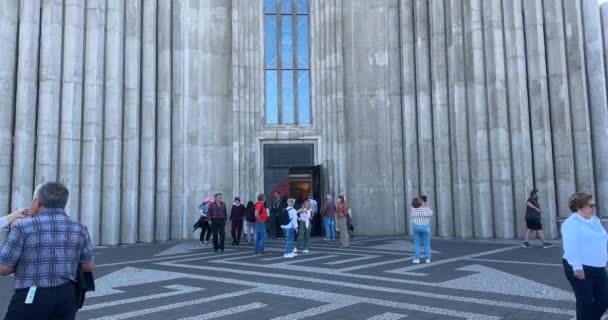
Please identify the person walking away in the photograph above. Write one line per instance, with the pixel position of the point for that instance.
(250, 223)
(290, 229)
(44, 253)
(585, 257)
(305, 217)
(328, 211)
(533, 221)
(205, 224)
(218, 215)
(237, 214)
(342, 213)
(261, 216)
(421, 229)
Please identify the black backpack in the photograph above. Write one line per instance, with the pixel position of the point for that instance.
(283, 217)
(250, 215)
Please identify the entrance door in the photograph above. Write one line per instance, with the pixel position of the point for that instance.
(303, 182)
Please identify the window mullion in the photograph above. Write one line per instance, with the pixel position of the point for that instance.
(279, 66)
(294, 29)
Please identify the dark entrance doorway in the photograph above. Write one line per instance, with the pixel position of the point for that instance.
(289, 169)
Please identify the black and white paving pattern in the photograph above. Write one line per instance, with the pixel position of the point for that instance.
(374, 279)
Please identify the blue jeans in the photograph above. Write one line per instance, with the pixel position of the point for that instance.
(289, 235)
(260, 237)
(330, 228)
(422, 236)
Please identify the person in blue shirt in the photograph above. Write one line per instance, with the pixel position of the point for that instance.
(585, 256)
(204, 222)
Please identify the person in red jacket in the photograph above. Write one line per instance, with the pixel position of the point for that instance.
(261, 215)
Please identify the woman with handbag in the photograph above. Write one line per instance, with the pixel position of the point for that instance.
(533, 221)
(342, 213)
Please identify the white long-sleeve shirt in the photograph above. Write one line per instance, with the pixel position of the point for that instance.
(293, 216)
(585, 242)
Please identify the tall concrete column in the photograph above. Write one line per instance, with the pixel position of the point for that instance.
(71, 102)
(559, 100)
(113, 127)
(148, 125)
(441, 120)
(25, 105)
(604, 12)
(519, 116)
(539, 113)
(372, 84)
(408, 102)
(461, 170)
(9, 15)
(90, 207)
(596, 87)
(579, 105)
(131, 122)
(478, 120)
(426, 156)
(49, 89)
(163, 123)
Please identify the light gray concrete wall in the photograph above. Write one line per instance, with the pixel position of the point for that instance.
(471, 102)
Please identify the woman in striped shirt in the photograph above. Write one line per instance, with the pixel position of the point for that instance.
(421, 229)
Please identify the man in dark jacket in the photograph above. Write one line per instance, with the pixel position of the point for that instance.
(218, 215)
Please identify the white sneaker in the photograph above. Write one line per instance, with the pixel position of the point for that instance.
(295, 250)
(416, 261)
(288, 255)
(428, 261)
(305, 251)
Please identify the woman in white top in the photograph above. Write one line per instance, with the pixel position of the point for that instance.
(585, 255)
(304, 225)
(290, 228)
(10, 218)
(421, 229)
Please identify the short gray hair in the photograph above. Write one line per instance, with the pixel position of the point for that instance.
(291, 202)
(52, 195)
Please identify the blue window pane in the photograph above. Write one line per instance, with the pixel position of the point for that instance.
(270, 6)
(302, 53)
(270, 41)
(286, 42)
(302, 6)
(286, 6)
(272, 97)
(303, 97)
(287, 102)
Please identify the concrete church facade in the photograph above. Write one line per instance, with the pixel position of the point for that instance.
(143, 107)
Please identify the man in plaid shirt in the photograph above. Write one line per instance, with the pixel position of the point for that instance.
(218, 215)
(44, 253)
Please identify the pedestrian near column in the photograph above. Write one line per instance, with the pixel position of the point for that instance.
(44, 253)
(305, 216)
(421, 228)
(250, 223)
(328, 211)
(261, 216)
(534, 222)
(205, 224)
(237, 214)
(289, 229)
(342, 213)
(585, 257)
(218, 215)
(275, 209)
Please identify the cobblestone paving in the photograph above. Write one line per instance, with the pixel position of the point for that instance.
(374, 279)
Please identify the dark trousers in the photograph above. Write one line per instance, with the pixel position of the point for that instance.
(205, 230)
(591, 293)
(275, 226)
(218, 227)
(56, 303)
(236, 230)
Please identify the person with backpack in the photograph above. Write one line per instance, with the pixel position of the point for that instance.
(237, 213)
(533, 221)
(288, 218)
(261, 216)
(250, 223)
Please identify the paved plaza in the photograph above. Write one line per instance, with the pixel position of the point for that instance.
(373, 280)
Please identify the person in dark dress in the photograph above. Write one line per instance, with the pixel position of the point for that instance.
(237, 214)
(533, 221)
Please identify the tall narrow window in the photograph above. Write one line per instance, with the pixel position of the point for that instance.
(287, 65)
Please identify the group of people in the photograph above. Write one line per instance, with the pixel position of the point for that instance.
(213, 215)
